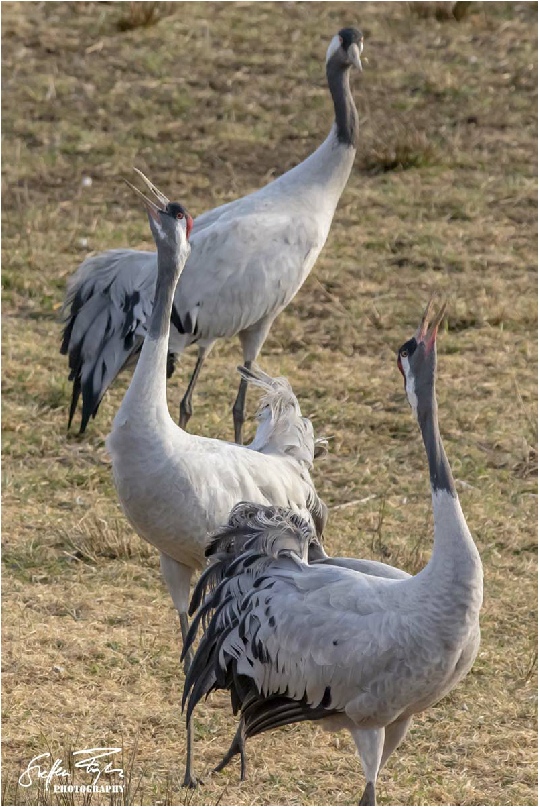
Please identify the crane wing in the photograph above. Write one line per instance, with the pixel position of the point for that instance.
(366, 566)
(329, 623)
(241, 270)
(305, 639)
(261, 200)
(244, 270)
(314, 638)
(108, 301)
(210, 217)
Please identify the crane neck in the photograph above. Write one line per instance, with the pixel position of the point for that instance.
(346, 117)
(455, 560)
(170, 263)
(320, 179)
(147, 393)
(441, 477)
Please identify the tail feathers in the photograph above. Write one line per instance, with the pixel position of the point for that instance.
(108, 302)
(281, 427)
(259, 714)
(204, 674)
(254, 534)
(321, 447)
(261, 529)
(75, 395)
(241, 553)
(258, 545)
(319, 515)
(264, 714)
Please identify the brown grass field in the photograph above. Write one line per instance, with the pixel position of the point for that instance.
(212, 100)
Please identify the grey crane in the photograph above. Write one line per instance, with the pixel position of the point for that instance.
(361, 651)
(176, 488)
(248, 260)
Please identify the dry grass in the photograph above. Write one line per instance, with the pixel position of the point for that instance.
(211, 102)
(398, 148)
(142, 15)
(442, 11)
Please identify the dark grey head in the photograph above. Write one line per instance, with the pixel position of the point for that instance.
(417, 360)
(170, 222)
(345, 48)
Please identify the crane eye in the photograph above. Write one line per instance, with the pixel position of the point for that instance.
(404, 352)
(179, 215)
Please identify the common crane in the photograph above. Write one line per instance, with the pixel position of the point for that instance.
(248, 260)
(176, 488)
(295, 641)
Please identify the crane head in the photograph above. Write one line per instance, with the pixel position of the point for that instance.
(346, 48)
(170, 222)
(416, 358)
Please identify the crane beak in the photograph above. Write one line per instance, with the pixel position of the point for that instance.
(424, 324)
(435, 324)
(159, 195)
(354, 54)
(150, 206)
(428, 327)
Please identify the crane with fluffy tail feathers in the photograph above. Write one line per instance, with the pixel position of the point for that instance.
(354, 646)
(177, 488)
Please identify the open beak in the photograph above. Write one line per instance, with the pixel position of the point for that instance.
(150, 206)
(435, 324)
(354, 54)
(424, 324)
(428, 328)
(159, 195)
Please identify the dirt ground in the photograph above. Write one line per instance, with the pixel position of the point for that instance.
(213, 100)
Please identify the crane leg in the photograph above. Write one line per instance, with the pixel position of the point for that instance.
(186, 406)
(369, 795)
(171, 364)
(188, 780)
(394, 735)
(238, 410)
(237, 746)
(370, 746)
(177, 577)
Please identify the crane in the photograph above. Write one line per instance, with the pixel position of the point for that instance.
(248, 259)
(357, 650)
(177, 488)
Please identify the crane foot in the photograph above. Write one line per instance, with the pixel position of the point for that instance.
(369, 796)
(191, 781)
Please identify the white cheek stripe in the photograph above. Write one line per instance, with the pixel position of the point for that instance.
(159, 228)
(334, 45)
(410, 384)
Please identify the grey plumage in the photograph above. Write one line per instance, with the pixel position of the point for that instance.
(367, 566)
(106, 310)
(355, 644)
(248, 260)
(177, 488)
(253, 527)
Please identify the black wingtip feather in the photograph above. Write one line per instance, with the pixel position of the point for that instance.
(75, 394)
(243, 551)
